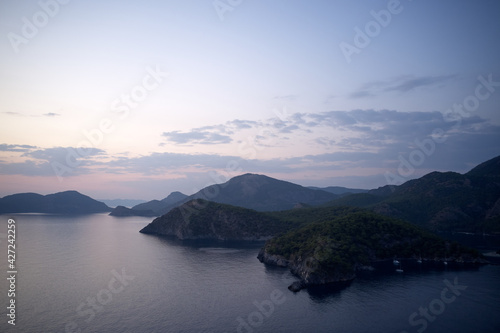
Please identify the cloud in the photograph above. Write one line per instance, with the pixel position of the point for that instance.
(10, 113)
(27, 168)
(402, 84)
(242, 124)
(361, 94)
(62, 153)
(409, 84)
(357, 144)
(196, 137)
(41, 162)
(287, 98)
(19, 114)
(16, 148)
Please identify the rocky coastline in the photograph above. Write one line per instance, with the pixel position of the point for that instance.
(310, 274)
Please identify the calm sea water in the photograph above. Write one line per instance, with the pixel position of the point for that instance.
(99, 274)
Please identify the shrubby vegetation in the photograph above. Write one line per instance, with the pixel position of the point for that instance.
(345, 237)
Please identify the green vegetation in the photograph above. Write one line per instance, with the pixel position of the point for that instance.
(343, 238)
(229, 220)
(440, 201)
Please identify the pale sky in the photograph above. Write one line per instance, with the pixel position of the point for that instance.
(136, 99)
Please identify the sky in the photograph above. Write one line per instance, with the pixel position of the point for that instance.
(137, 99)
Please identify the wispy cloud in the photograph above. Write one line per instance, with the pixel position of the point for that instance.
(62, 153)
(11, 113)
(402, 84)
(350, 144)
(287, 98)
(16, 148)
(20, 114)
(196, 137)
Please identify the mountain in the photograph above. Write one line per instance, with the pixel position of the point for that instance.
(263, 193)
(121, 202)
(201, 219)
(440, 201)
(153, 207)
(69, 202)
(251, 191)
(339, 190)
(162, 206)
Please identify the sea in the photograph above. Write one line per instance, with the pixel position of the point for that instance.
(97, 273)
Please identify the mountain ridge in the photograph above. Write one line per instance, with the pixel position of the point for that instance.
(252, 191)
(66, 202)
(440, 201)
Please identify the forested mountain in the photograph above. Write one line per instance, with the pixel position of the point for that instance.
(439, 201)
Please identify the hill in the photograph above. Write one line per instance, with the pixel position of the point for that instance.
(440, 201)
(333, 249)
(201, 219)
(68, 202)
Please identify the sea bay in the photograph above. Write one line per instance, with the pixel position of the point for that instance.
(97, 273)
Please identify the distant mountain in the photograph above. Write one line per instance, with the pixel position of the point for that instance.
(69, 202)
(446, 201)
(339, 190)
(251, 191)
(162, 206)
(153, 207)
(121, 202)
